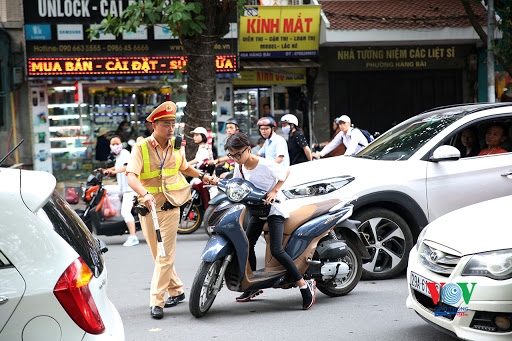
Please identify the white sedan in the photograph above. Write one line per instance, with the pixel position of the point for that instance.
(460, 272)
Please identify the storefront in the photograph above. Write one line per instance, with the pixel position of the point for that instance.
(79, 85)
(382, 86)
(278, 47)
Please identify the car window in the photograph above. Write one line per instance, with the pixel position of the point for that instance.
(480, 128)
(401, 142)
(57, 213)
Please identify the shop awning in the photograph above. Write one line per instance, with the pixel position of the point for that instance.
(275, 65)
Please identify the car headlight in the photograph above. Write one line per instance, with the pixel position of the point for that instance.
(237, 191)
(494, 264)
(420, 237)
(319, 187)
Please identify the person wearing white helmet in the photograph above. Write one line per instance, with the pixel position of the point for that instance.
(204, 150)
(298, 147)
(352, 138)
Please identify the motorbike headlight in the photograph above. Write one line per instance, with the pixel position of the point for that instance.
(237, 191)
(319, 187)
(494, 264)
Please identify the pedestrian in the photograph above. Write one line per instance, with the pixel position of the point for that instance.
(340, 150)
(102, 149)
(269, 176)
(267, 112)
(119, 170)
(258, 146)
(298, 147)
(351, 137)
(204, 150)
(149, 129)
(124, 132)
(224, 165)
(275, 146)
(155, 172)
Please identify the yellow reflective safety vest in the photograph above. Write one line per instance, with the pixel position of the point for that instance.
(168, 181)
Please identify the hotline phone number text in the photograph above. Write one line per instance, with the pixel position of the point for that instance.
(107, 48)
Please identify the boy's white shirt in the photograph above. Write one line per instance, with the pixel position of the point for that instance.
(265, 176)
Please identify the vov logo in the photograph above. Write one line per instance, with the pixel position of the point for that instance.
(451, 293)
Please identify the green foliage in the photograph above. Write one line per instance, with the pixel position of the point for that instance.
(181, 18)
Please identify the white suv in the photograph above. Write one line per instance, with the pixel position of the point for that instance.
(413, 174)
(53, 280)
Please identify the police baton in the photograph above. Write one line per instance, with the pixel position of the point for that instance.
(157, 229)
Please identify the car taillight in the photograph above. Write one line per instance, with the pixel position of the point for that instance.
(72, 291)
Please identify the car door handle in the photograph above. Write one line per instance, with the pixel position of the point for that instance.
(3, 299)
(507, 173)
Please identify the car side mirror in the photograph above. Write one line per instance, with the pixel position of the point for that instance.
(445, 153)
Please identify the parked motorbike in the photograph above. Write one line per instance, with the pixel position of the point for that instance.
(95, 194)
(192, 213)
(309, 238)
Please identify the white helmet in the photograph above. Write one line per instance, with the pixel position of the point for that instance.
(289, 118)
(200, 130)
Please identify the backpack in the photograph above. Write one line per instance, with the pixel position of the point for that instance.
(369, 137)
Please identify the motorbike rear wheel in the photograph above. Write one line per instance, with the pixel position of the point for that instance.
(335, 288)
(202, 293)
(191, 217)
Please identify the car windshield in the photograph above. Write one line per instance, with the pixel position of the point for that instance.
(402, 141)
(57, 213)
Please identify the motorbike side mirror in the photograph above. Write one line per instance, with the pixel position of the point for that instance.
(101, 245)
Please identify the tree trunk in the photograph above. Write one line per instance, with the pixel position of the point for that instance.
(201, 71)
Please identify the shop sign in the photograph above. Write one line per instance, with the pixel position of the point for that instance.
(286, 77)
(50, 26)
(118, 65)
(393, 58)
(279, 31)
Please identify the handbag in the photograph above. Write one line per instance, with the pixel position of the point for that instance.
(108, 208)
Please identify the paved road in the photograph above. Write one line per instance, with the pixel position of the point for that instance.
(374, 310)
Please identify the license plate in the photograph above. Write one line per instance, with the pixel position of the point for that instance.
(419, 283)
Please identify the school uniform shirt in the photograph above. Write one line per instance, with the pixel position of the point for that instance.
(275, 146)
(353, 140)
(296, 143)
(265, 176)
(204, 152)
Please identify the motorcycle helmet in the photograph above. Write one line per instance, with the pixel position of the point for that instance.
(233, 121)
(289, 118)
(267, 121)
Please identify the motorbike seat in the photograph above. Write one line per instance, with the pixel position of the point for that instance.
(305, 213)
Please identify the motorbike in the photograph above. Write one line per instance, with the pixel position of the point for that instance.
(192, 213)
(215, 201)
(325, 245)
(94, 196)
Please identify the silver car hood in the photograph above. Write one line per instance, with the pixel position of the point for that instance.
(476, 228)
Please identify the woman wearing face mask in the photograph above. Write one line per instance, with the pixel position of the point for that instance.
(119, 169)
(298, 147)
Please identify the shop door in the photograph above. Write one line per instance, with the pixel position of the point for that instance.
(377, 100)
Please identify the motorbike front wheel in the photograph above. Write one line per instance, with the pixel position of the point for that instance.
(202, 293)
(341, 287)
(191, 217)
